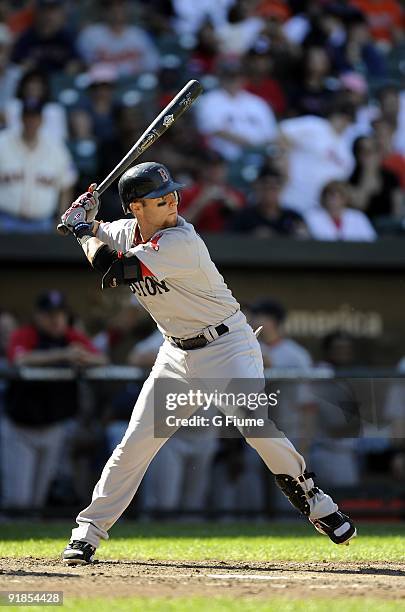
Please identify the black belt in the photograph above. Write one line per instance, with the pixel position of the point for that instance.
(198, 341)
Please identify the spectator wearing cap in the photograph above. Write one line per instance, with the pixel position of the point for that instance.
(48, 44)
(37, 412)
(35, 86)
(278, 350)
(36, 175)
(318, 153)
(232, 119)
(267, 217)
(9, 73)
(211, 202)
(334, 219)
(128, 48)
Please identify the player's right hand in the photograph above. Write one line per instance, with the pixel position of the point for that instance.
(92, 203)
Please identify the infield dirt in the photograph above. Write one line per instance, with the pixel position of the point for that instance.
(108, 578)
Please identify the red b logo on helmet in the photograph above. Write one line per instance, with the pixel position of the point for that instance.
(164, 174)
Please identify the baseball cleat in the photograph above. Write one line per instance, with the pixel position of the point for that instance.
(78, 553)
(337, 526)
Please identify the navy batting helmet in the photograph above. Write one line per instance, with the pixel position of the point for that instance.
(147, 180)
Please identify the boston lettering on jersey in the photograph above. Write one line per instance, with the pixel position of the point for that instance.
(149, 286)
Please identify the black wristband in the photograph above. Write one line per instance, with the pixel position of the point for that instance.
(83, 232)
(82, 229)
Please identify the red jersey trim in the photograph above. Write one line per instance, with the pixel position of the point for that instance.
(145, 270)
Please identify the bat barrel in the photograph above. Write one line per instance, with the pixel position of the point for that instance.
(180, 103)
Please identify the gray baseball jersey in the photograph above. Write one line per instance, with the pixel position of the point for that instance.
(181, 287)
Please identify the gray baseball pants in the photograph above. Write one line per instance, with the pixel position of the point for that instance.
(235, 355)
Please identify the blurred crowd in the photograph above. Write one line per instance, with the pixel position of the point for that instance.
(58, 428)
(300, 131)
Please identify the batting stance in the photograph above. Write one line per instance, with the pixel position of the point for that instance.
(167, 265)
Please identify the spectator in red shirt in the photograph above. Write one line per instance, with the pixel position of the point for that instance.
(210, 202)
(36, 412)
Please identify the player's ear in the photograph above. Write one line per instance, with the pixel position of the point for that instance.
(135, 207)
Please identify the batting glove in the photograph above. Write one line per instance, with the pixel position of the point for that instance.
(75, 218)
(90, 201)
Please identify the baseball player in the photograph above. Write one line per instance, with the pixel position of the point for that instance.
(167, 265)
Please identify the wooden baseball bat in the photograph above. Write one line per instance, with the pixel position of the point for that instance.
(169, 115)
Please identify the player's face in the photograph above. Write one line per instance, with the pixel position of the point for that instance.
(158, 212)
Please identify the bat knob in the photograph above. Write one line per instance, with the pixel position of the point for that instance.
(62, 229)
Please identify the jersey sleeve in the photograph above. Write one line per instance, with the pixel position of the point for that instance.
(172, 253)
(119, 235)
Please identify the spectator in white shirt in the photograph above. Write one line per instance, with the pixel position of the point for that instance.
(318, 153)
(233, 119)
(335, 220)
(127, 47)
(36, 176)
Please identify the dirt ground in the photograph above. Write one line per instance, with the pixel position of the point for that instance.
(178, 579)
